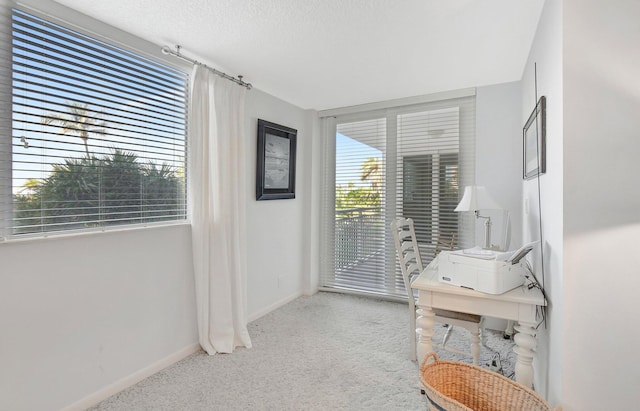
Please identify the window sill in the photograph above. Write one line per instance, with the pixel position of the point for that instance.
(89, 231)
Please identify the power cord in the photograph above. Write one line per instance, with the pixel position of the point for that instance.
(499, 361)
(532, 282)
(496, 366)
(542, 262)
(496, 363)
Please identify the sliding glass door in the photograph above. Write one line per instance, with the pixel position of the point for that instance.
(407, 162)
(359, 233)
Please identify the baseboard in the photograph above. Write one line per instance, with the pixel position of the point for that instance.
(132, 379)
(274, 306)
(140, 375)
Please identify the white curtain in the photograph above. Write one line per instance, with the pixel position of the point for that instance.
(217, 198)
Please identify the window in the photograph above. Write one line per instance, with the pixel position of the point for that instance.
(98, 134)
(411, 161)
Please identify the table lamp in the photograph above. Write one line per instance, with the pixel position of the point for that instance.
(477, 198)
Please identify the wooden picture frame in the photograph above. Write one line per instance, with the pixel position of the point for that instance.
(276, 163)
(534, 145)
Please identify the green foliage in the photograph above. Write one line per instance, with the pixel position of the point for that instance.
(99, 191)
(356, 197)
(371, 171)
(350, 196)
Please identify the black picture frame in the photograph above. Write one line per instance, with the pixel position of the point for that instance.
(534, 146)
(276, 163)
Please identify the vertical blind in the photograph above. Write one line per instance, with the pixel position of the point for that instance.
(408, 161)
(98, 134)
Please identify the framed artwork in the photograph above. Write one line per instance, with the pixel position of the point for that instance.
(534, 142)
(276, 165)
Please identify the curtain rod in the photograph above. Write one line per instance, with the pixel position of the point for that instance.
(167, 50)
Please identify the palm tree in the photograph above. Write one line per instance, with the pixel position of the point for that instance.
(29, 187)
(371, 171)
(80, 121)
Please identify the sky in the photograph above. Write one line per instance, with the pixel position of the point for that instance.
(350, 154)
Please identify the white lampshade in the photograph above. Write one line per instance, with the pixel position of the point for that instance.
(477, 198)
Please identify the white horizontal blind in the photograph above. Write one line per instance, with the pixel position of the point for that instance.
(358, 240)
(5, 115)
(427, 177)
(98, 133)
(410, 161)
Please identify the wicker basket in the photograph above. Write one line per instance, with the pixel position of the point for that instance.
(456, 386)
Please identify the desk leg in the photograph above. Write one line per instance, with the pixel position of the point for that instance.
(525, 340)
(424, 322)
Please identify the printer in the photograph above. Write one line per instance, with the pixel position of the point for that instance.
(483, 270)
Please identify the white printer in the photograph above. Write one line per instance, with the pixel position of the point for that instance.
(487, 271)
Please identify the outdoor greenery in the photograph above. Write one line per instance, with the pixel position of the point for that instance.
(97, 190)
(351, 196)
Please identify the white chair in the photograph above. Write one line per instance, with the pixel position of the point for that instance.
(411, 265)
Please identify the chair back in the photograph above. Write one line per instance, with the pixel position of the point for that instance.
(404, 236)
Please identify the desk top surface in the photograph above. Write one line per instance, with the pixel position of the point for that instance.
(428, 281)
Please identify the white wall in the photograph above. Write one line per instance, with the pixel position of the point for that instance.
(80, 313)
(499, 167)
(601, 369)
(498, 163)
(84, 316)
(278, 230)
(587, 58)
(545, 58)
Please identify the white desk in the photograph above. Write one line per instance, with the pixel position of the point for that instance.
(519, 304)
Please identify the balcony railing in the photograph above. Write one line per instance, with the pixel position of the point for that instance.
(359, 235)
(364, 256)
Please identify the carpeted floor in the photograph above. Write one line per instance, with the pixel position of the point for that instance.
(325, 352)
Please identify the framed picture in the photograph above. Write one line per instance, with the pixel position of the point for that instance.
(534, 142)
(276, 165)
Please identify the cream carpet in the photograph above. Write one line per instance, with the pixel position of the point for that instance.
(325, 352)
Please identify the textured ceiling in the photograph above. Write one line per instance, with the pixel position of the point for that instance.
(320, 54)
